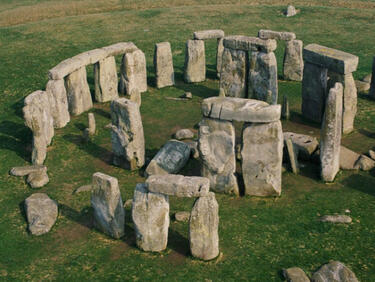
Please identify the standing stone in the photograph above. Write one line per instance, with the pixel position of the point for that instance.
(216, 145)
(285, 113)
(290, 11)
(38, 118)
(78, 92)
(106, 80)
(263, 77)
(38, 179)
(334, 271)
(203, 228)
(41, 213)
(128, 143)
(109, 213)
(293, 155)
(330, 135)
(314, 88)
(293, 61)
(133, 73)
(92, 124)
(372, 84)
(195, 61)
(58, 102)
(262, 155)
(233, 73)
(219, 56)
(163, 64)
(150, 213)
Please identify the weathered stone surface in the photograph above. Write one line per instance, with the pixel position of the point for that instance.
(331, 59)
(262, 155)
(279, 35)
(209, 34)
(178, 185)
(338, 218)
(41, 213)
(293, 62)
(372, 84)
(246, 43)
(334, 271)
(38, 118)
(293, 155)
(58, 102)
(216, 145)
(195, 61)
(203, 228)
(184, 134)
(84, 188)
(128, 142)
(150, 213)
(38, 179)
(314, 88)
(182, 216)
(233, 73)
(305, 144)
(78, 92)
(26, 170)
(163, 65)
(295, 274)
(171, 158)
(109, 213)
(238, 109)
(348, 158)
(365, 163)
(263, 77)
(219, 56)
(362, 86)
(330, 136)
(285, 112)
(290, 11)
(133, 73)
(106, 80)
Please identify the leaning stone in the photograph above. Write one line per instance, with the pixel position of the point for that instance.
(285, 113)
(279, 35)
(78, 92)
(365, 163)
(372, 83)
(262, 156)
(293, 62)
(163, 65)
(84, 188)
(26, 170)
(106, 80)
(171, 158)
(219, 56)
(38, 179)
(290, 11)
(330, 136)
(238, 109)
(182, 216)
(128, 143)
(184, 134)
(203, 228)
(133, 73)
(109, 214)
(41, 213)
(187, 95)
(178, 185)
(336, 218)
(293, 156)
(305, 144)
(348, 158)
(195, 61)
(334, 271)
(58, 102)
(86, 136)
(92, 124)
(246, 43)
(371, 154)
(295, 274)
(150, 213)
(209, 34)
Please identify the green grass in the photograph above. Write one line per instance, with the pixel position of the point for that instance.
(258, 236)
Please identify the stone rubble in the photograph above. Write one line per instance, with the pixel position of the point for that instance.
(133, 76)
(58, 102)
(182, 134)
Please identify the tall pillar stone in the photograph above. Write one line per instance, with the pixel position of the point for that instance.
(219, 56)
(106, 80)
(58, 102)
(293, 61)
(133, 73)
(195, 61)
(163, 65)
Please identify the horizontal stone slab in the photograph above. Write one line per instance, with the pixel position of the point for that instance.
(279, 35)
(246, 43)
(209, 34)
(239, 109)
(178, 185)
(26, 170)
(332, 59)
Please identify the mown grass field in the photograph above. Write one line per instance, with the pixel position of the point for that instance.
(258, 236)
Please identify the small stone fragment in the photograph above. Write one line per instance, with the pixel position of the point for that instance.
(38, 179)
(92, 124)
(334, 271)
(348, 158)
(195, 61)
(336, 218)
(295, 274)
(290, 11)
(182, 216)
(365, 163)
(367, 78)
(26, 170)
(182, 134)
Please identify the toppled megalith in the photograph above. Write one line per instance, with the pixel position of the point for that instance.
(128, 143)
(109, 213)
(58, 101)
(163, 65)
(330, 136)
(293, 61)
(334, 271)
(203, 228)
(133, 73)
(195, 61)
(38, 118)
(106, 80)
(150, 214)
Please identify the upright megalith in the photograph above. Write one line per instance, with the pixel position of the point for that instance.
(219, 56)
(133, 73)
(203, 228)
(150, 214)
(58, 102)
(38, 117)
(109, 213)
(78, 92)
(106, 80)
(195, 61)
(330, 135)
(372, 84)
(128, 143)
(163, 65)
(92, 124)
(293, 61)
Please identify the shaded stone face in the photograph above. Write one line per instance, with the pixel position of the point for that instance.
(334, 271)
(133, 73)
(195, 61)
(106, 80)
(163, 65)
(348, 159)
(58, 101)
(295, 274)
(26, 170)
(293, 61)
(290, 11)
(209, 34)
(38, 179)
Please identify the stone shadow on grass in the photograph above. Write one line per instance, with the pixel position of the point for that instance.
(178, 243)
(366, 133)
(363, 183)
(83, 217)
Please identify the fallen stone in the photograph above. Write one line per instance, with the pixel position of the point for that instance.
(163, 65)
(365, 163)
(348, 159)
(128, 203)
(182, 216)
(290, 11)
(84, 188)
(305, 144)
(334, 271)
(119, 48)
(41, 213)
(208, 34)
(362, 86)
(182, 134)
(195, 61)
(293, 61)
(106, 80)
(92, 124)
(279, 35)
(336, 218)
(58, 102)
(246, 43)
(26, 170)
(38, 179)
(295, 274)
(285, 113)
(293, 155)
(133, 73)
(371, 154)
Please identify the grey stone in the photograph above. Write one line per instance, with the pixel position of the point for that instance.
(348, 159)
(362, 86)
(293, 61)
(338, 218)
(195, 61)
(290, 11)
(26, 170)
(372, 83)
(133, 73)
(219, 56)
(334, 271)
(182, 216)
(285, 113)
(171, 158)
(279, 35)
(238, 109)
(246, 43)
(150, 213)
(371, 154)
(41, 213)
(293, 155)
(262, 155)
(92, 124)
(367, 78)
(128, 142)
(330, 136)
(365, 163)
(209, 34)
(106, 80)
(109, 213)
(58, 102)
(203, 228)
(305, 144)
(78, 92)
(119, 48)
(193, 145)
(178, 185)
(163, 65)
(182, 134)
(84, 188)
(295, 274)
(38, 179)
